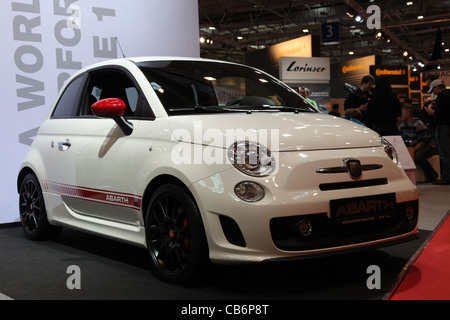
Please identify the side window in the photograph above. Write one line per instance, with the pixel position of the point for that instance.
(67, 106)
(113, 83)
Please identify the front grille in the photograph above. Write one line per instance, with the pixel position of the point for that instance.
(352, 184)
(327, 233)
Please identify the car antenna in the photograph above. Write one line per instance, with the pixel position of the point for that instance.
(118, 43)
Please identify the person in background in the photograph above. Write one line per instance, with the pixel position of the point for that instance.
(359, 100)
(408, 103)
(442, 120)
(355, 116)
(417, 135)
(335, 110)
(304, 92)
(384, 108)
(426, 114)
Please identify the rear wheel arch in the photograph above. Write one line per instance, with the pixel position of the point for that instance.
(22, 174)
(32, 208)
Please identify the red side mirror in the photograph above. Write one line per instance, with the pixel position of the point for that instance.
(113, 108)
(109, 107)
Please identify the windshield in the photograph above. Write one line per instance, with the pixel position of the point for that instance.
(190, 87)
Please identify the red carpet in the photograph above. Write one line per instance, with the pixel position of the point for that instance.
(427, 275)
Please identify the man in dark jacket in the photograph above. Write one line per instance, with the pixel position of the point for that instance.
(442, 120)
(360, 98)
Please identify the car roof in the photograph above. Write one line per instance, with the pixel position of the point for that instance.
(163, 58)
(175, 58)
(142, 59)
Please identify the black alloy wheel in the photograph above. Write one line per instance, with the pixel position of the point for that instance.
(175, 236)
(33, 215)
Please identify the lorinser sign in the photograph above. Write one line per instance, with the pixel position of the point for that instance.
(310, 69)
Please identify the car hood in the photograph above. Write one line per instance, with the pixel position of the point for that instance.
(277, 131)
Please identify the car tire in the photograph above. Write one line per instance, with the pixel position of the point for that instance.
(175, 236)
(33, 214)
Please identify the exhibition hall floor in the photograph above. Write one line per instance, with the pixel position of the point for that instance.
(112, 270)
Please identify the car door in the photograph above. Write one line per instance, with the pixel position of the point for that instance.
(56, 151)
(97, 158)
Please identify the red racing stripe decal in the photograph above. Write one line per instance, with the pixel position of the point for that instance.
(126, 200)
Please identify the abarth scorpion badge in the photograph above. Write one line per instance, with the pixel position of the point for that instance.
(353, 168)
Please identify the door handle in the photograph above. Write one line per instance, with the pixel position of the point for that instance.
(64, 146)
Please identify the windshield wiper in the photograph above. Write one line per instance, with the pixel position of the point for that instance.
(246, 109)
(267, 108)
(201, 109)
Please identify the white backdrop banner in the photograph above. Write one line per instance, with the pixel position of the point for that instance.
(45, 41)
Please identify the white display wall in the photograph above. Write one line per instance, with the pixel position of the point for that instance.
(45, 41)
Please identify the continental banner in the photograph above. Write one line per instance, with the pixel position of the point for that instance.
(398, 75)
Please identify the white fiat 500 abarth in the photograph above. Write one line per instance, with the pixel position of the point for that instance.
(197, 159)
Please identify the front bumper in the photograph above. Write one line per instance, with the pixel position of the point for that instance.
(240, 232)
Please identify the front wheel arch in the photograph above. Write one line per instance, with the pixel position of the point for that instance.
(175, 234)
(158, 182)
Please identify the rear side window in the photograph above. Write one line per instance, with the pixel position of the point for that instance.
(67, 106)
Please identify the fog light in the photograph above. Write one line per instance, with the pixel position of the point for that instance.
(305, 227)
(249, 191)
(409, 212)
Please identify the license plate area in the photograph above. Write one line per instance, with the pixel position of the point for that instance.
(363, 209)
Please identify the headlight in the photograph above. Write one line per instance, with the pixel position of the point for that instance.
(390, 150)
(251, 159)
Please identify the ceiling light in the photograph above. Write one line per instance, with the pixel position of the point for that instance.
(358, 19)
(421, 64)
(351, 53)
(405, 53)
(447, 50)
(240, 37)
(420, 17)
(409, 3)
(350, 12)
(305, 30)
(202, 40)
